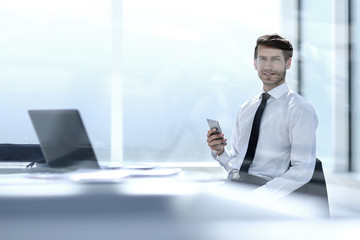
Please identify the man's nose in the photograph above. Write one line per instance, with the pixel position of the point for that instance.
(268, 64)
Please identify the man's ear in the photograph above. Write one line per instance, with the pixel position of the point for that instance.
(255, 64)
(288, 63)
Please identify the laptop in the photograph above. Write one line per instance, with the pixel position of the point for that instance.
(66, 145)
(63, 139)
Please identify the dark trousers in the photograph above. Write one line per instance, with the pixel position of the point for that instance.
(314, 191)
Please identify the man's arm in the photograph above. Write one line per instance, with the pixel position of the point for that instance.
(302, 135)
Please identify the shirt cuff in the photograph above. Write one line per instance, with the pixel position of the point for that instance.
(223, 159)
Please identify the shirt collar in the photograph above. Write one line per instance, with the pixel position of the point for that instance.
(278, 91)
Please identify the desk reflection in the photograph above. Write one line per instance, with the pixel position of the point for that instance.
(176, 207)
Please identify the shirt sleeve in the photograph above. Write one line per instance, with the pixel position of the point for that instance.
(302, 136)
(231, 153)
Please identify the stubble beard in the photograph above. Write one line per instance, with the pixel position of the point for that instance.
(270, 83)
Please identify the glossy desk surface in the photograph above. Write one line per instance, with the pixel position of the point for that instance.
(183, 205)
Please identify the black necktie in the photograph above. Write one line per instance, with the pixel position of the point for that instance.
(250, 153)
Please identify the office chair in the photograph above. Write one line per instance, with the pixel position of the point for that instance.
(21, 153)
(317, 187)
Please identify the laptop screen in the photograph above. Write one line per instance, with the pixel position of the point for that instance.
(63, 138)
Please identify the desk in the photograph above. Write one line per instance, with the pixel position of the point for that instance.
(185, 206)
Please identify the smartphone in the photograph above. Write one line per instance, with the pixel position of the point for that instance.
(214, 124)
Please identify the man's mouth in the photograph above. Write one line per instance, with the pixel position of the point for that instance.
(269, 74)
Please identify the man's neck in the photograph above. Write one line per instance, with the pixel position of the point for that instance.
(268, 88)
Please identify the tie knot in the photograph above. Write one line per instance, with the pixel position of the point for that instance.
(265, 96)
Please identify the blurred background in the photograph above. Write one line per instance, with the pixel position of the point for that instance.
(145, 75)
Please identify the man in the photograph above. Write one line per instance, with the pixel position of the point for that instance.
(285, 153)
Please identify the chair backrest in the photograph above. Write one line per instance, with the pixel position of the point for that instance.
(317, 187)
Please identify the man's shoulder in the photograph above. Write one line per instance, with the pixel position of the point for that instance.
(299, 103)
(296, 98)
(251, 101)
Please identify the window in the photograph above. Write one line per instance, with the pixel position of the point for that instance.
(185, 61)
(145, 75)
(317, 76)
(55, 54)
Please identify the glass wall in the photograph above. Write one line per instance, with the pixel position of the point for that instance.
(185, 61)
(355, 84)
(55, 54)
(316, 70)
(180, 63)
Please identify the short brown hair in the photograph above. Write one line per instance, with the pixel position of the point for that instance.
(275, 41)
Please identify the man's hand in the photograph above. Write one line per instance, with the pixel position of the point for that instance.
(216, 142)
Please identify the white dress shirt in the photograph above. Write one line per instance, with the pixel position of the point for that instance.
(287, 136)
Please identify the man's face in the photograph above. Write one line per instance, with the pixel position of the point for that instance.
(271, 66)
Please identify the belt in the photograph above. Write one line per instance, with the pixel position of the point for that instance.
(235, 176)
